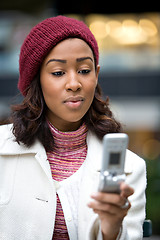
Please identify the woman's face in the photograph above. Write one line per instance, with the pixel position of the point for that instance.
(68, 80)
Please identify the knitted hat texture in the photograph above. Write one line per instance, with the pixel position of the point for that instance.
(42, 38)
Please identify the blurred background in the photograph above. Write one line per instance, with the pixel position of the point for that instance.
(128, 35)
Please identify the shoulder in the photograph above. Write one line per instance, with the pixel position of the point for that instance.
(134, 160)
(135, 165)
(6, 131)
(7, 139)
(9, 145)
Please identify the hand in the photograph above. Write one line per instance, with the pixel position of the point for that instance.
(111, 211)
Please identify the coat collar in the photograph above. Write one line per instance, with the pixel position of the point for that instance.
(8, 146)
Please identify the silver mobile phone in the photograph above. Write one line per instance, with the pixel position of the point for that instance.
(113, 161)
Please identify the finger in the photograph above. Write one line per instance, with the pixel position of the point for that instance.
(111, 198)
(126, 190)
(126, 205)
(108, 208)
(104, 207)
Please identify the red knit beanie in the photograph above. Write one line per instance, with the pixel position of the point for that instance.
(42, 38)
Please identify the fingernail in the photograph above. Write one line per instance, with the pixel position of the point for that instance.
(94, 195)
(89, 204)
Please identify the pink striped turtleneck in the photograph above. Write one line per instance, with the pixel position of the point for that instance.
(70, 150)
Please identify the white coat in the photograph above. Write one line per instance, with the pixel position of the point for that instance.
(28, 192)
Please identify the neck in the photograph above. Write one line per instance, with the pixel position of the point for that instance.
(65, 126)
(70, 139)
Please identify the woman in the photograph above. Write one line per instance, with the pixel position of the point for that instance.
(50, 156)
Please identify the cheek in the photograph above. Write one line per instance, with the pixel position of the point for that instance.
(49, 88)
(49, 91)
(51, 96)
(90, 89)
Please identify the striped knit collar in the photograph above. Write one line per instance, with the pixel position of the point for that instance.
(69, 140)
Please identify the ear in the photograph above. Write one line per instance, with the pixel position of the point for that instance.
(97, 72)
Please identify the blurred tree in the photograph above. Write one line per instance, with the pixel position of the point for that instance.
(153, 193)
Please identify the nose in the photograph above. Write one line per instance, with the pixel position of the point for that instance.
(73, 83)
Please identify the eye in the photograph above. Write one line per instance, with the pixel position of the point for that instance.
(58, 73)
(84, 71)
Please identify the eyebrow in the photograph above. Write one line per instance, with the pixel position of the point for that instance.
(83, 58)
(56, 60)
(64, 61)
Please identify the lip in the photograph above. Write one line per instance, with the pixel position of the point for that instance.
(74, 99)
(74, 102)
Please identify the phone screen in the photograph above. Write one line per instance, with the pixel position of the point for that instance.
(114, 158)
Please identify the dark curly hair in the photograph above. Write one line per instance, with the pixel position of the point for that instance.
(29, 117)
